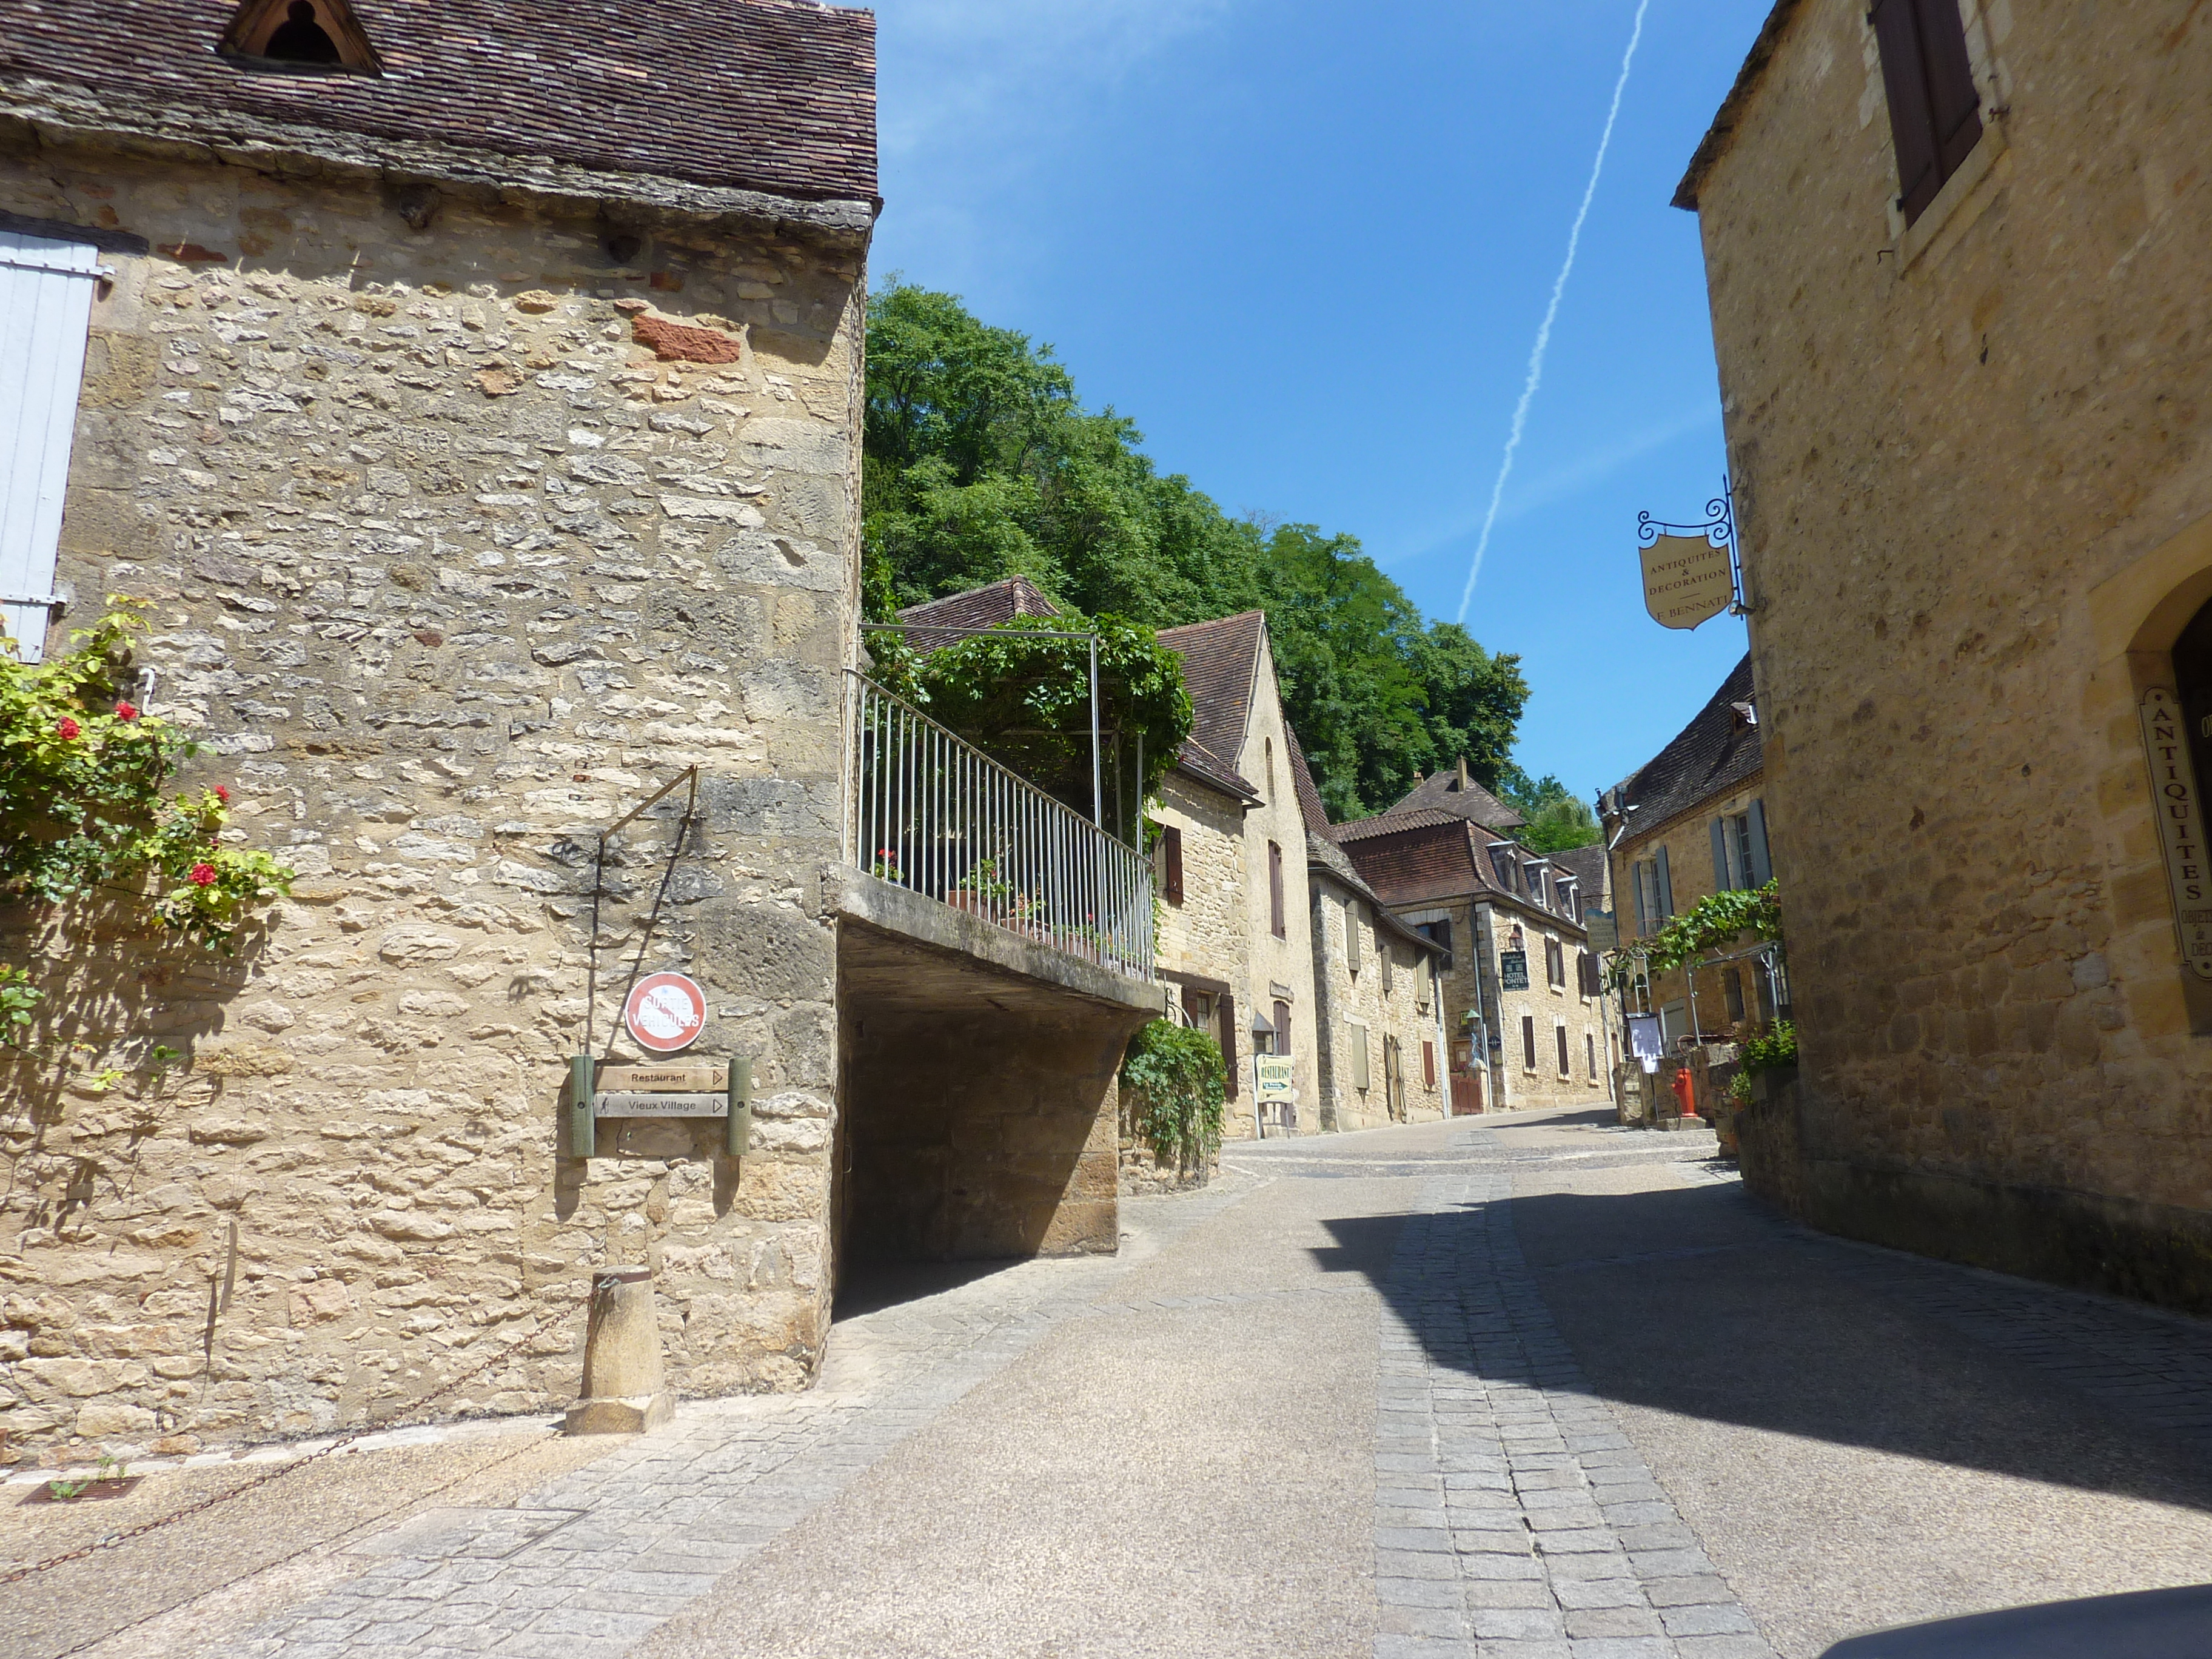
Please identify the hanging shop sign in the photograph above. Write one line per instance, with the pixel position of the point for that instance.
(1604, 931)
(665, 1012)
(2180, 825)
(1272, 1076)
(1686, 580)
(1513, 970)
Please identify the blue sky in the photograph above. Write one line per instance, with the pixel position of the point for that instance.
(1306, 247)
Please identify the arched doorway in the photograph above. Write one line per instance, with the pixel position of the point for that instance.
(2192, 675)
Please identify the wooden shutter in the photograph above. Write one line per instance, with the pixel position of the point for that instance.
(1428, 1065)
(1282, 1028)
(1351, 934)
(1935, 110)
(1566, 1065)
(1386, 954)
(1912, 121)
(1590, 1052)
(1228, 1010)
(1275, 890)
(1666, 887)
(1359, 1076)
(1762, 863)
(1954, 99)
(45, 307)
(1528, 1041)
(1721, 882)
(1171, 863)
(1642, 909)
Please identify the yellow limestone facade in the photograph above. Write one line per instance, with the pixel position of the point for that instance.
(1973, 459)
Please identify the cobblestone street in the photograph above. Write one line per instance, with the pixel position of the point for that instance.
(1532, 1388)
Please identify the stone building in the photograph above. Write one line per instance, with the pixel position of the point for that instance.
(1380, 1041)
(1231, 859)
(1954, 250)
(1691, 821)
(481, 469)
(1522, 999)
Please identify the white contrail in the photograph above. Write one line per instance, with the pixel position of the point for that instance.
(1551, 311)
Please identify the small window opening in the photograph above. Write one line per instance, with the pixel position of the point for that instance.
(299, 35)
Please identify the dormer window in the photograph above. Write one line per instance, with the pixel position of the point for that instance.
(301, 36)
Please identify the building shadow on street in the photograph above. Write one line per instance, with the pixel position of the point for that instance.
(1702, 1302)
(870, 1286)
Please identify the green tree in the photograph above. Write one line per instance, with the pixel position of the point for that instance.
(981, 463)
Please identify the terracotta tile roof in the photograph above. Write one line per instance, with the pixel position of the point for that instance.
(1325, 856)
(1201, 763)
(1588, 867)
(975, 610)
(1442, 857)
(1716, 752)
(1220, 659)
(1310, 802)
(1391, 823)
(775, 95)
(1715, 141)
(1443, 793)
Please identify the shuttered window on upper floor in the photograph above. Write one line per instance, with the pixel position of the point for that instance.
(45, 307)
(1935, 110)
(1276, 922)
(1171, 864)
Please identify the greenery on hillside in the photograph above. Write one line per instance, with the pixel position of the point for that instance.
(981, 463)
(1556, 819)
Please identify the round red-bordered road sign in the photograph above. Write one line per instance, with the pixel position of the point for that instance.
(665, 1012)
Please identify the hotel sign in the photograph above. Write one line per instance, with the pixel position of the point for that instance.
(1686, 580)
(2180, 825)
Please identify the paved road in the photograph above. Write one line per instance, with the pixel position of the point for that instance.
(1528, 1388)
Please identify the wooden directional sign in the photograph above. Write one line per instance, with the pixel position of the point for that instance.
(624, 1103)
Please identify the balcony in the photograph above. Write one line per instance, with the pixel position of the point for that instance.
(994, 953)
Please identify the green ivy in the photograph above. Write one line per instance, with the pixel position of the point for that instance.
(82, 809)
(1173, 1088)
(1024, 700)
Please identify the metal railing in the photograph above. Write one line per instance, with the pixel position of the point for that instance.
(930, 813)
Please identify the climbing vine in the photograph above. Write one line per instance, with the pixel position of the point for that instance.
(1024, 699)
(83, 807)
(1173, 1089)
(1712, 923)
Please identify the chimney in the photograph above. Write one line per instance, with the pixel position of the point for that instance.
(1463, 773)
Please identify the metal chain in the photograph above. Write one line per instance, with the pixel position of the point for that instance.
(108, 1540)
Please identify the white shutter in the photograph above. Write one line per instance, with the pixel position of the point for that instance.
(45, 307)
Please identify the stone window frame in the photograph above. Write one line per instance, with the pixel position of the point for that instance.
(1969, 191)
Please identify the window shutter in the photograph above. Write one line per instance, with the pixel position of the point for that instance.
(45, 307)
(1528, 1041)
(1912, 120)
(1428, 1065)
(1229, 1044)
(1275, 890)
(1666, 887)
(1954, 101)
(1359, 1077)
(1762, 864)
(1590, 1052)
(1387, 956)
(1566, 1067)
(1721, 882)
(1643, 912)
(1171, 859)
(1282, 1028)
(1351, 934)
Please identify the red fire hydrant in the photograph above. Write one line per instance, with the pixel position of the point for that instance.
(1686, 1091)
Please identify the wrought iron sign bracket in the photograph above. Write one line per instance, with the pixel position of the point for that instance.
(1719, 528)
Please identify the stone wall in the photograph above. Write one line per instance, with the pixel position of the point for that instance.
(457, 541)
(1287, 962)
(1976, 503)
(1349, 996)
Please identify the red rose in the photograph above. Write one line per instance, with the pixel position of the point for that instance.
(222, 795)
(67, 729)
(123, 711)
(202, 875)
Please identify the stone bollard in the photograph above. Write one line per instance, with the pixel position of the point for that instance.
(623, 1390)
